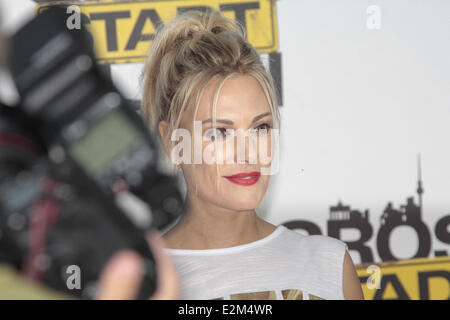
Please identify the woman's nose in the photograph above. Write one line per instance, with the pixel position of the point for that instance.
(246, 147)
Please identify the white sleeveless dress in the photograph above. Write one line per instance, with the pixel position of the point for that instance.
(283, 265)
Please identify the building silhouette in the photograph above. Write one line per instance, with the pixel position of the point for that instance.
(341, 212)
(408, 213)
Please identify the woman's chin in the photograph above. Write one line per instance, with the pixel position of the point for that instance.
(240, 203)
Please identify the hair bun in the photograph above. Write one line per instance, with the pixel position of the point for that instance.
(186, 53)
(198, 22)
(216, 30)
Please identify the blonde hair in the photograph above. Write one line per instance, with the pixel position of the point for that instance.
(186, 54)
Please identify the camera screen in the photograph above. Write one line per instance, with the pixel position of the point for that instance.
(105, 142)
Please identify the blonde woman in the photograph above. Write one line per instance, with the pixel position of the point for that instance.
(202, 77)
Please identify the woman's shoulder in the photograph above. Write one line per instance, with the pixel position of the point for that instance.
(315, 242)
(318, 261)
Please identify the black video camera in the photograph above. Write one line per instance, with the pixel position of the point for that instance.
(79, 178)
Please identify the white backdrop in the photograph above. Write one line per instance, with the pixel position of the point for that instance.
(359, 104)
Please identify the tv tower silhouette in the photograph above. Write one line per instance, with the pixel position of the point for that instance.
(420, 189)
(409, 212)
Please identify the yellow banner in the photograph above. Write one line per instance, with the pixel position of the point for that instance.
(123, 30)
(424, 279)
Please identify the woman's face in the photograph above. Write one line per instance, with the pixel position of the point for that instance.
(241, 108)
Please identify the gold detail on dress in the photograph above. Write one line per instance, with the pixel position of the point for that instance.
(262, 295)
(313, 297)
(288, 294)
(292, 294)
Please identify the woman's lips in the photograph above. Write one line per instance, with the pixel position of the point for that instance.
(245, 178)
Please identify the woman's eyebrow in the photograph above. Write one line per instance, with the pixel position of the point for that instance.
(258, 117)
(218, 120)
(261, 116)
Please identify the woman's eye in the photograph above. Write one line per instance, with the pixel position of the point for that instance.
(263, 126)
(213, 134)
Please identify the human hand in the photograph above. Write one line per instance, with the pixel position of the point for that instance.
(121, 278)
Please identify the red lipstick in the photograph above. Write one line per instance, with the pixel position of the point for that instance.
(245, 178)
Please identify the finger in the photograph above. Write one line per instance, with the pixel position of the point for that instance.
(122, 276)
(168, 281)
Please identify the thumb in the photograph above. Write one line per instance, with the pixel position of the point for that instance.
(121, 277)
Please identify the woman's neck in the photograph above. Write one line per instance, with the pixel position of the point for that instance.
(206, 226)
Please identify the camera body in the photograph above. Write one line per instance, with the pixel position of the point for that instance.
(78, 166)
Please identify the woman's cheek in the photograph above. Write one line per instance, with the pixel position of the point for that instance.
(209, 153)
(264, 149)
